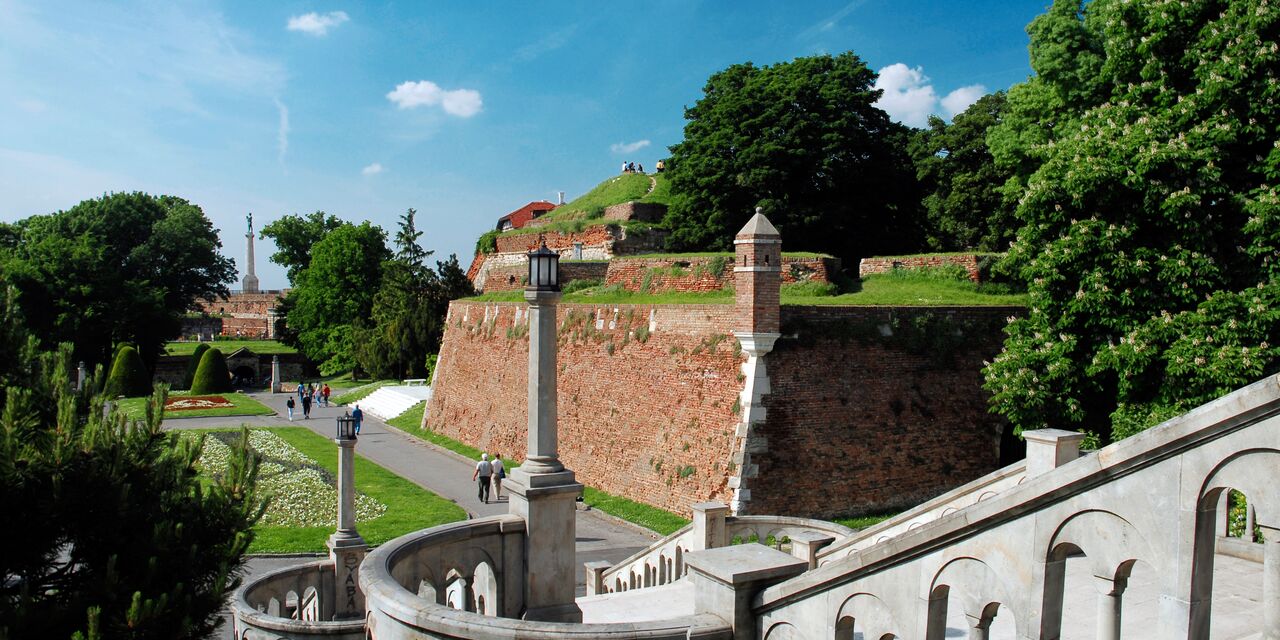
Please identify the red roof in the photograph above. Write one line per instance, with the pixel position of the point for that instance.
(520, 217)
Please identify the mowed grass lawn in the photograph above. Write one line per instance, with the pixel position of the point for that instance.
(187, 347)
(136, 408)
(409, 507)
(659, 520)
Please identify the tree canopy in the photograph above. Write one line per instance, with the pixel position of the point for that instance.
(804, 141)
(120, 268)
(294, 236)
(1145, 155)
(117, 537)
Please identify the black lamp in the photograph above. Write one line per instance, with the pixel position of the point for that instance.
(346, 427)
(544, 269)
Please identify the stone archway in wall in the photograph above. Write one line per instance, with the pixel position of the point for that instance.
(967, 596)
(864, 616)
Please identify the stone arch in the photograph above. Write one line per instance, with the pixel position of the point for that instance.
(782, 631)
(662, 569)
(867, 611)
(646, 575)
(456, 590)
(679, 561)
(1110, 544)
(309, 608)
(1251, 472)
(427, 591)
(291, 604)
(484, 586)
(948, 511)
(975, 585)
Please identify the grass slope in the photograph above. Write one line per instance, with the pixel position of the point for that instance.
(615, 190)
(409, 507)
(361, 392)
(136, 408)
(185, 348)
(653, 518)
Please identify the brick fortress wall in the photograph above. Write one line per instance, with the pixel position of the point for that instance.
(242, 314)
(707, 273)
(885, 264)
(857, 421)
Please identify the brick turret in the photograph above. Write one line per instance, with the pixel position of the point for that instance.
(757, 275)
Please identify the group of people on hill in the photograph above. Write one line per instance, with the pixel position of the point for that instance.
(309, 395)
(632, 167)
(489, 472)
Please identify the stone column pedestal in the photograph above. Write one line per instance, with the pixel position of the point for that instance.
(546, 502)
(346, 548)
(726, 580)
(275, 374)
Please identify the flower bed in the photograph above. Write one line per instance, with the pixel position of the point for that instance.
(196, 403)
(302, 493)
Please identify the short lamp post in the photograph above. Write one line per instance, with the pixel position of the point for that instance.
(346, 548)
(541, 490)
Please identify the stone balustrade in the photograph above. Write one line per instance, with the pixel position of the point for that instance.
(1152, 499)
(291, 603)
(712, 527)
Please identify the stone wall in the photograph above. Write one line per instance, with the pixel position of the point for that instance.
(244, 314)
(513, 277)
(641, 211)
(293, 366)
(707, 273)
(857, 421)
(885, 264)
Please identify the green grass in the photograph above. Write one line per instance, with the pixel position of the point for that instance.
(659, 520)
(617, 295)
(862, 522)
(615, 190)
(136, 408)
(186, 348)
(341, 381)
(884, 290)
(359, 393)
(409, 507)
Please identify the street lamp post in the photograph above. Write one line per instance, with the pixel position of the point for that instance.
(542, 490)
(346, 548)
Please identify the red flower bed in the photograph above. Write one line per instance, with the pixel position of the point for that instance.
(193, 403)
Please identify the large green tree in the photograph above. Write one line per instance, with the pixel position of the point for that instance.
(120, 268)
(294, 236)
(407, 320)
(804, 141)
(335, 292)
(1150, 221)
(963, 200)
(113, 535)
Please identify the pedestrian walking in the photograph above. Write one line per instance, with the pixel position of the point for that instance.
(289, 404)
(302, 390)
(358, 416)
(324, 393)
(484, 469)
(306, 406)
(499, 473)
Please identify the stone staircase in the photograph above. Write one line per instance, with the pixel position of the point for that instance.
(389, 402)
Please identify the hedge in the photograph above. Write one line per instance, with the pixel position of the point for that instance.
(212, 375)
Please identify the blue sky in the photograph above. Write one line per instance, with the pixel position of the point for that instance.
(462, 110)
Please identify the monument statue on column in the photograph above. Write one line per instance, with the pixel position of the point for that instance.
(250, 282)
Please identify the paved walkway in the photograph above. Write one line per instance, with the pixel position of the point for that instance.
(442, 472)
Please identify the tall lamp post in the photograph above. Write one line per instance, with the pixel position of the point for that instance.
(346, 548)
(542, 490)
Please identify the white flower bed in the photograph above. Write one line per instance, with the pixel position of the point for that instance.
(303, 494)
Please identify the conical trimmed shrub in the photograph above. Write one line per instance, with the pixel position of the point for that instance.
(128, 375)
(212, 375)
(192, 364)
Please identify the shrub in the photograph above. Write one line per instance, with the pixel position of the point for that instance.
(212, 375)
(579, 285)
(192, 364)
(128, 374)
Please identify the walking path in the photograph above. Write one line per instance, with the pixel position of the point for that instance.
(440, 471)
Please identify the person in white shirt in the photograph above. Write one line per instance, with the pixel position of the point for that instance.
(499, 472)
(483, 470)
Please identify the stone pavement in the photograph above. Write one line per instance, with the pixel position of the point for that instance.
(442, 472)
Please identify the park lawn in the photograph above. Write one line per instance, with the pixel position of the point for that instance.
(342, 381)
(652, 518)
(136, 408)
(887, 290)
(359, 393)
(187, 347)
(409, 507)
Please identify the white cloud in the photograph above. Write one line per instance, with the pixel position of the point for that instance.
(282, 132)
(372, 170)
(463, 103)
(316, 24)
(628, 147)
(960, 99)
(909, 97)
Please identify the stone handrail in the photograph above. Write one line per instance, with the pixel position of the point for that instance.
(1152, 498)
(261, 608)
(663, 561)
(411, 587)
(965, 495)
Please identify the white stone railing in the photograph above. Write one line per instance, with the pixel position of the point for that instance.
(291, 603)
(1152, 499)
(663, 562)
(963, 496)
(467, 580)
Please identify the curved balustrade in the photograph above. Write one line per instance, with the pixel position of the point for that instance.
(1152, 500)
(291, 603)
(466, 580)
